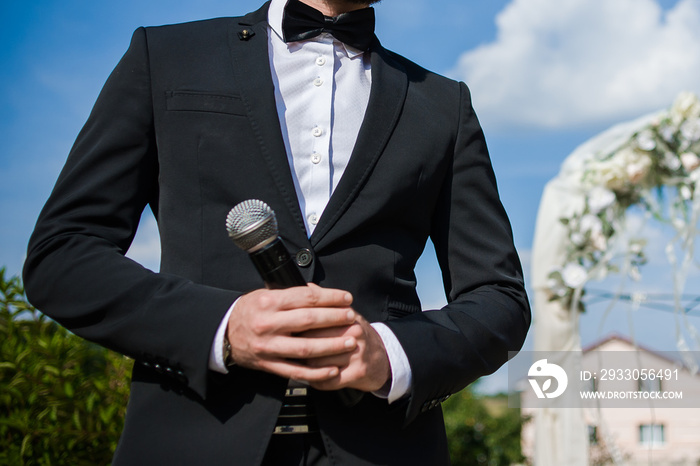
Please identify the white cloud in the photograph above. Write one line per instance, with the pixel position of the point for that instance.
(561, 63)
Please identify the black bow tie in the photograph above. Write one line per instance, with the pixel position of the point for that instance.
(302, 22)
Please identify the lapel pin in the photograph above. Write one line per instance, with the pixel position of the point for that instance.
(245, 34)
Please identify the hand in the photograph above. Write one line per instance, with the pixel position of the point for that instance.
(266, 329)
(365, 368)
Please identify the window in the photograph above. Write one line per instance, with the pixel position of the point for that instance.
(591, 385)
(592, 435)
(652, 435)
(649, 385)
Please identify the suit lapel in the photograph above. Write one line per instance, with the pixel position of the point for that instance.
(249, 51)
(389, 87)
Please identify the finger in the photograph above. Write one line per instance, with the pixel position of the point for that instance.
(338, 360)
(307, 348)
(352, 330)
(346, 377)
(327, 384)
(312, 295)
(296, 371)
(301, 320)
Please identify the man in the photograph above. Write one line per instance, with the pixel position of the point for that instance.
(363, 155)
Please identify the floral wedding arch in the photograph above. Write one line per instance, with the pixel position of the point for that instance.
(651, 166)
(657, 169)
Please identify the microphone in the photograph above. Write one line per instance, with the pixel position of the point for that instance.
(252, 225)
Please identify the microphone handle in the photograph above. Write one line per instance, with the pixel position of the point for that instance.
(278, 270)
(276, 267)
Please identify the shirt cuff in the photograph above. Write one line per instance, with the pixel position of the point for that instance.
(216, 354)
(401, 375)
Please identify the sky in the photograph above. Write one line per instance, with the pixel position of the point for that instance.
(545, 76)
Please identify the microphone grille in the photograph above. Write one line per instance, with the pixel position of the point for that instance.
(251, 225)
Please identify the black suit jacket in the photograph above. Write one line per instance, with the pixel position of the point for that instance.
(187, 124)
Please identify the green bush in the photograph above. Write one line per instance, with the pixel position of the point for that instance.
(62, 399)
(482, 431)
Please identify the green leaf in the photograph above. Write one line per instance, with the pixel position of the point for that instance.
(68, 389)
(26, 442)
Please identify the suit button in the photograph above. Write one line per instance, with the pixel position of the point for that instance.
(245, 34)
(304, 257)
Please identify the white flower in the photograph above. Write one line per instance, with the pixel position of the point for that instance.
(600, 198)
(591, 224)
(685, 192)
(637, 171)
(599, 241)
(690, 129)
(671, 161)
(637, 246)
(634, 274)
(610, 173)
(695, 178)
(577, 239)
(668, 132)
(685, 106)
(690, 161)
(625, 167)
(574, 275)
(646, 141)
(639, 297)
(556, 287)
(637, 164)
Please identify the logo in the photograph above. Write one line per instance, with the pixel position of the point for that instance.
(542, 369)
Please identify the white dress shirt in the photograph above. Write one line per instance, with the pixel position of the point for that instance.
(322, 89)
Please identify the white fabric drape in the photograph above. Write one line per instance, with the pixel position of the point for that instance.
(561, 432)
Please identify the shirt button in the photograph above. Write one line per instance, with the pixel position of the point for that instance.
(318, 82)
(313, 219)
(317, 131)
(315, 158)
(320, 61)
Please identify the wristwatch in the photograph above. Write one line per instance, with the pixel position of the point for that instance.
(228, 359)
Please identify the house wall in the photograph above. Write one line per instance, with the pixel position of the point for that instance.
(618, 428)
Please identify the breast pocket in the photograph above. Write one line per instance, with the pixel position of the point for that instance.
(195, 101)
